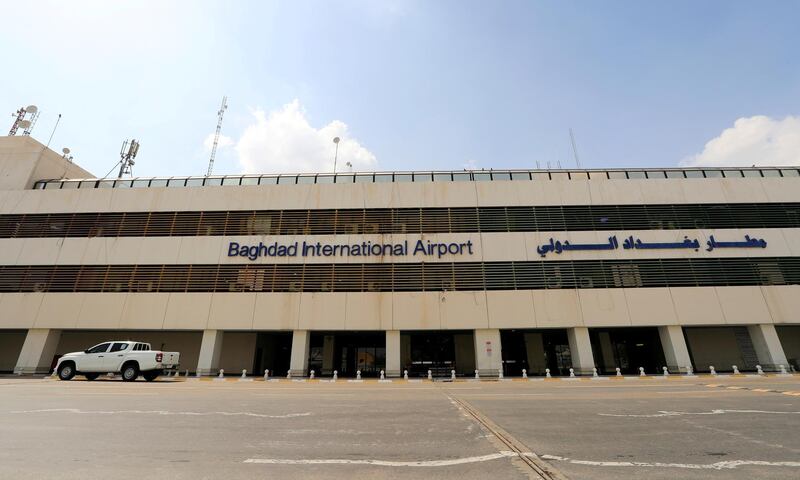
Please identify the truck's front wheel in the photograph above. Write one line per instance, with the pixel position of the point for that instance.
(66, 371)
(150, 376)
(130, 372)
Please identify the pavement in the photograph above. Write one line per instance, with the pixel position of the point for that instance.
(721, 427)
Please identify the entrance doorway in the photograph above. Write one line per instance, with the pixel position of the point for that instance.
(535, 351)
(347, 353)
(627, 349)
(439, 352)
(273, 351)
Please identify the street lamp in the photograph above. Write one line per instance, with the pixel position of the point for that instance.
(336, 154)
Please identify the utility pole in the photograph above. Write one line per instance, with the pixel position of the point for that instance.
(574, 149)
(220, 113)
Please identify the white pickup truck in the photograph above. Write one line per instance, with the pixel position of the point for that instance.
(123, 356)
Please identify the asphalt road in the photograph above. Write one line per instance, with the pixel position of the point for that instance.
(740, 428)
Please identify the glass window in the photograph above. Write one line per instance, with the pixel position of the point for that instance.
(105, 184)
(422, 177)
(194, 182)
(39, 185)
(364, 178)
(231, 180)
(102, 348)
(383, 178)
(481, 176)
(158, 182)
(118, 347)
(141, 183)
(462, 177)
(88, 184)
(636, 175)
(728, 174)
(751, 173)
(249, 181)
(122, 184)
(324, 178)
(578, 175)
(790, 172)
(69, 184)
(771, 173)
(616, 175)
(305, 179)
(694, 173)
(268, 180)
(402, 177)
(442, 177)
(501, 176)
(715, 174)
(176, 182)
(657, 174)
(344, 178)
(675, 174)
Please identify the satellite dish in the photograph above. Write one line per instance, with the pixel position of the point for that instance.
(25, 124)
(31, 109)
(336, 139)
(65, 151)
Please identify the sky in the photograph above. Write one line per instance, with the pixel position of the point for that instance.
(407, 85)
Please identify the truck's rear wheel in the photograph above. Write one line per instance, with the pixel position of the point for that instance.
(150, 376)
(130, 372)
(91, 376)
(66, 371)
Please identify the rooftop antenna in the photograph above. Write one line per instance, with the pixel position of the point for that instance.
(126, 155)
(53, 132)
(336, 153)
(220, 114)
(574, 148)
(66, 155)
(25, 119)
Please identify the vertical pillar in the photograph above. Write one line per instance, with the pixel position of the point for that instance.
(328, 344)
(298, 364)
(676, 353)
(37, 351)
(488, 356)
(210, 352)
(768, 346)
(580, 349)
(606, 353)
(393, 353)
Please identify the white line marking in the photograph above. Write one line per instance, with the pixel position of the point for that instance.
(382, 463)
(664, 413)
(726, 465)
(158, 412)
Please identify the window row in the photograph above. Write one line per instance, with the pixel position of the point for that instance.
(402, 220)
(401, 277)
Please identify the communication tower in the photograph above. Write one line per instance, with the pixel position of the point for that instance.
(126, 155)
(25, 118)
(220, 113)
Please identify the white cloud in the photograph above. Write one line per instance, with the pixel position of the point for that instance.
(757, 140)
(284, 141)
(224, 141)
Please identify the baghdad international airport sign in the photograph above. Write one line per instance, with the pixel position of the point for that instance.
(425, 249)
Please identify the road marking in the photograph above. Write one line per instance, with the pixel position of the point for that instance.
(726, 465)
(665, 413)
(158, 412)
(382, 463)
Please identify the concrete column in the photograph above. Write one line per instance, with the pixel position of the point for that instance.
(210, 352)
(328, 344)
(580, 348)
(488, 356)
(37, 351)
(768, 346)
(676, 353)
(301, 341)
(393, 353)
(606, 352)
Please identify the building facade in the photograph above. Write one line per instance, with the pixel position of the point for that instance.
(468, 270)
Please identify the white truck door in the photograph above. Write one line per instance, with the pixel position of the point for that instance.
(92, 360)
(115, 356)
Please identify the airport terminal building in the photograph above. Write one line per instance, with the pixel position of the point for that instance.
(495, 271)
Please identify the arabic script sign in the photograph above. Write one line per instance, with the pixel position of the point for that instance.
(631, 243)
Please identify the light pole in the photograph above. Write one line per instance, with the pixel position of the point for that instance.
(336, 154)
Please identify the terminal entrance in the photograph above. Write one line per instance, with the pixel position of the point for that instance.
(720, 347)
(347, 353)
(627, 349)
(439, 352)
(273, 351)
(535, 351)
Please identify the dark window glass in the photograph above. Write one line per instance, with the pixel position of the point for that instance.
(118, 347)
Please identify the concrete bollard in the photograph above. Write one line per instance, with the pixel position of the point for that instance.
(335, 375)
(221, 373)
(358, 374)
(197, 373)
(689, 371)
(311, 375)
(405, 374)
(500, 374)
(571, 373)
(759, 370)
(547, 373)
(187, 374)
(524, 373)
(477, 375)
(430, 375)
(383, 376)
(289, 375)
(619, 372)
(266, 375)
(735, 370)
(641, 372)
(712, 370)
(452, 374)
(783, 370)
(594, 372)
(244, 373)
(666, 371)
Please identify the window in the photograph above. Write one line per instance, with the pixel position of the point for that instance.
(141, 183)
(194, 182)
(616, 175)
(122, 184)
(402, 177)
(268, 180)
(231, 180)
(324, 178)
(383, 178)
(118, 347)
(751, 173)
(305, 179)
(790, 172)
(344, 178)
(158, 182)
(675, 174)
(105, 184)
(364, 178)
(462, 177)
(636, 175)
(442, 177)
(694, 174)
(102, 348)
(176, 182)
(88, 184)
(249, 181)
(501, 176)
(520, 176)
(655, 174)
(771, 173)
(482, 176)
(422, 177)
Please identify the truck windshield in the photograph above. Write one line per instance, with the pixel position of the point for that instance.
(99, 348)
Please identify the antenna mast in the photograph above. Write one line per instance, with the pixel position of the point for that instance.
(574, 148)
(126, 155)
(220, 113)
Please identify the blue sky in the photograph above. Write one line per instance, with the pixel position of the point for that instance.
(408, 84)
